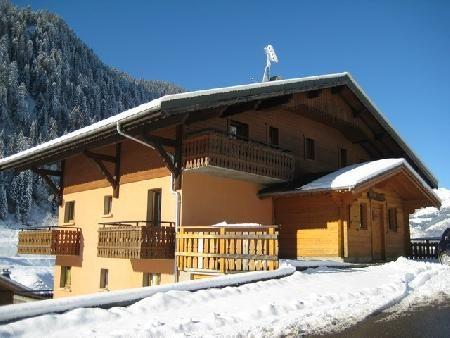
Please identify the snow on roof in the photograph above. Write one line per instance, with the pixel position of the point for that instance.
(149, 107)
(350, 177)
(285, 86)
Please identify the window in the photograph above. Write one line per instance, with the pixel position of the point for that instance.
(343, 157)
(107, 205)
(65, 279)
(363, 215)
(310, 149)
(238, 130)
(69, 212)
(149, 279)
(274, 137)
(154, 207)
(392, 219)
(103, 278)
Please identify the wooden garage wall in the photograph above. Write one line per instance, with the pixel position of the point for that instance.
(309, 226)
(359, 240)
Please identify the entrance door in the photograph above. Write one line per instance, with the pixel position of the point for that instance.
(377, 232)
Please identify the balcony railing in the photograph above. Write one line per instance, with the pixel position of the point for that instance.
(227, 249)
(212, 149)
(50, 241)
(136, 240)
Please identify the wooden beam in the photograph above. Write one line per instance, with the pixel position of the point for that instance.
(273, 102)
(313, 93)
(117, 173)
(166, 142)
(336, 90)
(178, 159)
(45, 173)
(48, 172)
(162, 152)
(98, 159)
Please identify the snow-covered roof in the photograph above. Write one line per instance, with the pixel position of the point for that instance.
(191, 101)
(351, 177)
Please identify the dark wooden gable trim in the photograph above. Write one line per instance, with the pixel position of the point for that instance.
(99, 159)
(47, 173)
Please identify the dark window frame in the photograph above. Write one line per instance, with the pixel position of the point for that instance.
(363, 216)
(69, 211)
(154, 206)
(310, 148)
(393, 219)
(65, 279)
(274, 136)
(107, 205)
(104, 278)
(241, 130)
(343, 157)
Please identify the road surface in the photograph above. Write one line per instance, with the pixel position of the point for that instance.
(427, 321)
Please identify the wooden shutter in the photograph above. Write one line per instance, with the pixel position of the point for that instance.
(355, 220)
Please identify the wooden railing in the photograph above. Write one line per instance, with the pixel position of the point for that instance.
(50, 241)
(424, 248)
(227, 249)
(219, 150)
(136, 240)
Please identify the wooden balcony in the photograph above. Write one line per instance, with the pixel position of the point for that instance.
(222, 155)
(136, 240)
(50, 241)
(227, 249)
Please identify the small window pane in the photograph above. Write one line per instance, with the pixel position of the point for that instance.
(103, 278)
(107, 205)
(154, 198)
(310, 151)
(392, 219)
(69, 211)
(238, 130)
(363, 215)
(343, 157)
(274, 136)
(65, 279)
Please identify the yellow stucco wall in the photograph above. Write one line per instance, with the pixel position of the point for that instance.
(211, 199)
(123, 273)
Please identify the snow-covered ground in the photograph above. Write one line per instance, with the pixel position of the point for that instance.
(33, 271)
(431, 222)
(314, 301)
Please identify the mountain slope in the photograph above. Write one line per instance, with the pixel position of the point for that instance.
(52, 83)
(431, 222)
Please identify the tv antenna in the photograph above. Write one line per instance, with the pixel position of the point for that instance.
(270, 57)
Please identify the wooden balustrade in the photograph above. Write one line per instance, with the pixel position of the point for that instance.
(423, 248)
(218, 150)
(122, 240)
(50, 241)
(227, 249)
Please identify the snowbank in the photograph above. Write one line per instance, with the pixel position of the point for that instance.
(108, 299)
(33, 271)
(431, 222)
(313, 301)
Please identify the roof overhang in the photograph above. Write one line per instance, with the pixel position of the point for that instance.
(172, 109)
(402, 178)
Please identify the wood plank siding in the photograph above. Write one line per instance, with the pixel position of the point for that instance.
(309, 226)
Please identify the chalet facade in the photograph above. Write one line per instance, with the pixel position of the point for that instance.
(308, 167)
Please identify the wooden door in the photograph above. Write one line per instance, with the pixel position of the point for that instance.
(378, 252)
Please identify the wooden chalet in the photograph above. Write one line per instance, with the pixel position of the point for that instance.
(302, 167)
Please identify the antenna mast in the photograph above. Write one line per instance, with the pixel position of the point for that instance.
(270, 57)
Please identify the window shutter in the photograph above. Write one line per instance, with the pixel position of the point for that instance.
(150, 198)
(355, 220)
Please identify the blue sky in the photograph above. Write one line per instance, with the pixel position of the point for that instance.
(398, 51)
